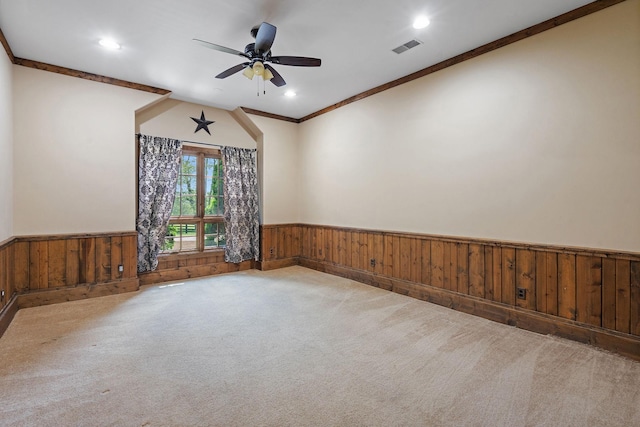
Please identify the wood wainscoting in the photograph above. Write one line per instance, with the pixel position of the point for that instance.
(587, 295)
(172, 267)
(8, 303)
(280, 246)
(40, 270)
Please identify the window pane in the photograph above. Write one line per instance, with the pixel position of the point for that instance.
(173, 239)
(188, 204)
(181, 237)
(222, 239)
(169, 240)
(212, 206)
(189, 237)
(212, 166)
(214, 235)
(176, 206)
(213, 186)
(188, 185)
(189, 165)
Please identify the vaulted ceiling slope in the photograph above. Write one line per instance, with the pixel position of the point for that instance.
(354, 39)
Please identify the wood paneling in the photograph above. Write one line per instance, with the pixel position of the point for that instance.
(591, 288)
(475, 256)
(508, 276)
(7, 285)
(204, 264)
(525, 277)
(609, 293)
(47, 269)
(634, 296)
(623, 295)
(567, 286)
(496, 271)
(21, 266)
(50, 262)
(437, 263)
(588, 295)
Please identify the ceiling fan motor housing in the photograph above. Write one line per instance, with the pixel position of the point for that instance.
(250, 51)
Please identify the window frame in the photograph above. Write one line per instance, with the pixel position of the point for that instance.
(199, 219)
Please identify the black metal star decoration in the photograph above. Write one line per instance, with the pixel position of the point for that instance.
(202, 123)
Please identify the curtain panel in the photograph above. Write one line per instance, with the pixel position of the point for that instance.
(158, 170)
(241, 209)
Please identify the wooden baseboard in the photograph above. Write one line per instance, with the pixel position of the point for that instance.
(623, 344)
(193, 271)
(54, 296)
(281, 263)
(7, 314)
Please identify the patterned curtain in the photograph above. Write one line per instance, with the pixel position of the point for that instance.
(158, 173)
(241, 215)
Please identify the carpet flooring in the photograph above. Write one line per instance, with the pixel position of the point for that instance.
(295, 347)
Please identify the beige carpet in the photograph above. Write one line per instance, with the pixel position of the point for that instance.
(297, 347)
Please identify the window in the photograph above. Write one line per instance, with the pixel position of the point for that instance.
(197, 222)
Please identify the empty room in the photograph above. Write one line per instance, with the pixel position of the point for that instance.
(278, 212)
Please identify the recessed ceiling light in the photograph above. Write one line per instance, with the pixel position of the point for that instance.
(290, 94)
(421, 22)
(109, 44)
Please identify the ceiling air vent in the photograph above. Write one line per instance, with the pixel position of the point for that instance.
(408, 45)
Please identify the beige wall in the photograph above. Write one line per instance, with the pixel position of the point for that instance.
(74, 154)
(6, 147)
(280, 175)
(535, 142)
(172, 119)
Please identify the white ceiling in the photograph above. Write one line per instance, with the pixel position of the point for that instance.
(354, 39)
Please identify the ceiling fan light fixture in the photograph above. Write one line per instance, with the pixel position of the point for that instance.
(421, 22)
(268, 75)
(248, 73)
(258, 68)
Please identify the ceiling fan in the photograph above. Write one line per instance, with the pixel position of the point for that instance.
(259, 56)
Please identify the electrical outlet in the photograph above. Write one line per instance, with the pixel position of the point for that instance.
(2, 294)
(522, 293)
(372, 262)
(272, 251)
(120, 268)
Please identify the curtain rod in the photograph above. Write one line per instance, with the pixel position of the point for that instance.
(195, 142)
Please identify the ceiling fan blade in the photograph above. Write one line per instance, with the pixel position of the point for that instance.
(265, 37)
(220, 48)
(277, 78)
(232, 70)
(298, 61)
